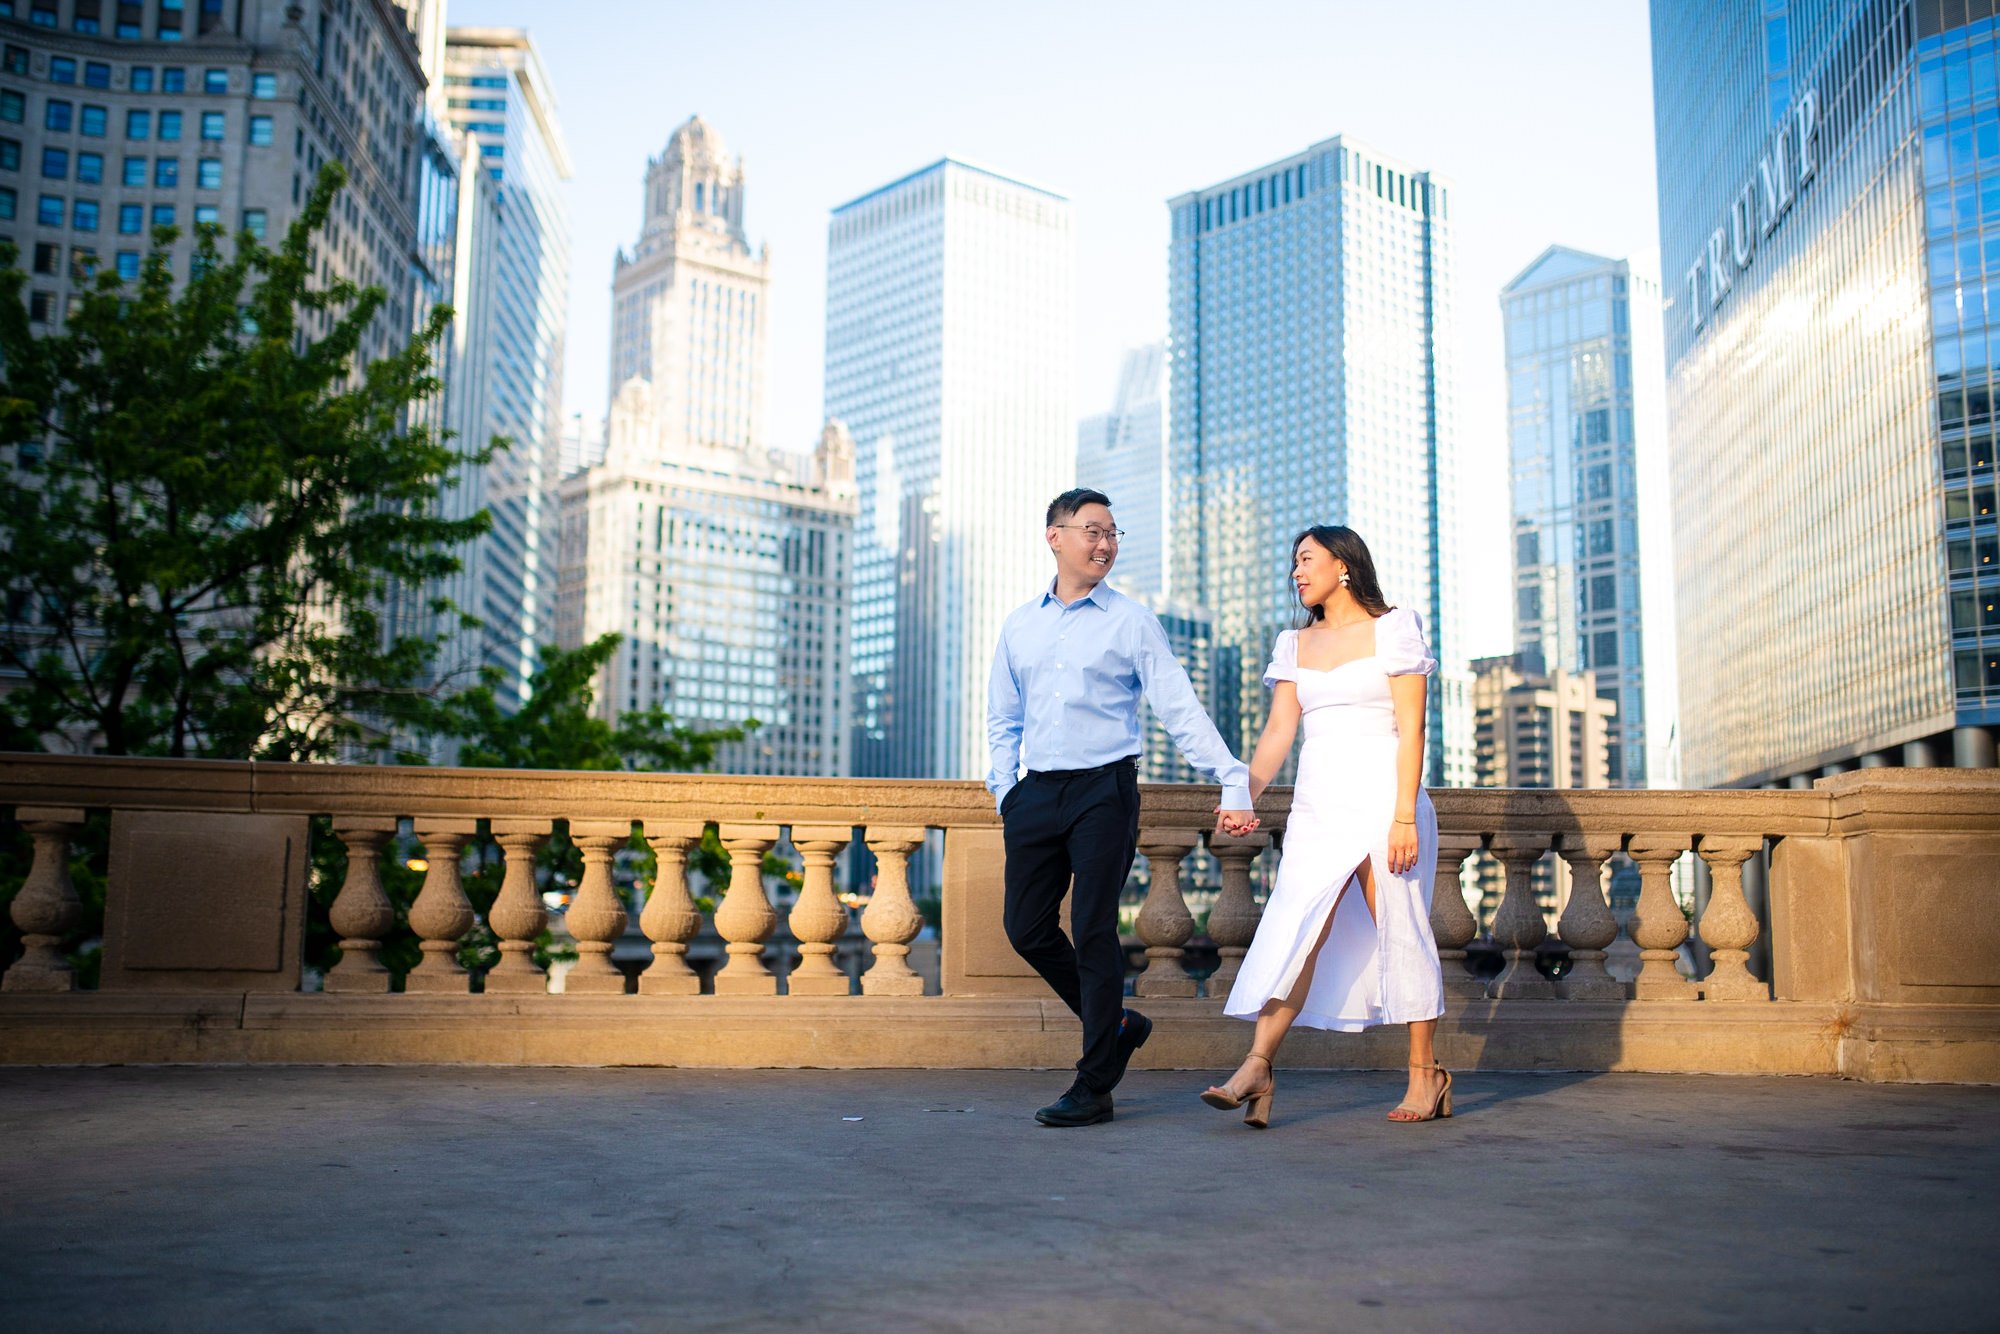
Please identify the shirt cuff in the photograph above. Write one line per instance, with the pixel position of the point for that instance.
(1000, 797)
(1236, 796)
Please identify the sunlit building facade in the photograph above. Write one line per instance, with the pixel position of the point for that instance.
(1830, 224)
(1123, 453)
(949, 315)
(1311, 381)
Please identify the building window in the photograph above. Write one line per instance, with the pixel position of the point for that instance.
(10, 154)
(206, 213)
(129, 16)
(58, 115)
(16, 59)
(9, 203)
(84, 216)
(138, 125)
(260, 129)
(49, 211)
(169, 27)
(62, 69)
(43, 15)
(55, 163)
(215, 81)
(131, 218)
(163, 215)
(173, 79)
(96, 74)
(42, 307)
(142, 78)
(212, 124)
(263, 87)
(128, 265)
(92, 123)
(211, 16)
(48, 258)
(255, 220)
(170, 125)
(90, 168)
(13, 106)
(135, 171)
(208, 173)
(166, 172)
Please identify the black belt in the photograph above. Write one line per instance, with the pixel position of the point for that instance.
(1129, 762)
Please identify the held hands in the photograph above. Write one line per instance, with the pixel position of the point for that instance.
(1402, 846)
(1235, 823)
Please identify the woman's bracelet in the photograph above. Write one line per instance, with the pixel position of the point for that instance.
(1405, 822)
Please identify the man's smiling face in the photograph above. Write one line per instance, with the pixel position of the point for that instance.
(1086, 545)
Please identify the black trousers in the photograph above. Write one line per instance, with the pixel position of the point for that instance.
(1084, 824)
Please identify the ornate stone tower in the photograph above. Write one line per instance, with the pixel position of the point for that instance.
(690, 302)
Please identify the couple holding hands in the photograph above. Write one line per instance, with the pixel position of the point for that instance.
(1064, 695)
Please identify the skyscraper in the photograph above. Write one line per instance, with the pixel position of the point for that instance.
(690, 303)
(1123, 453)
(1827, 190)
(514, 298)
(948, 329)
(1311, 382)
(1583, 401)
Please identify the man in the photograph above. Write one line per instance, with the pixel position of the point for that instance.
(1064, 696)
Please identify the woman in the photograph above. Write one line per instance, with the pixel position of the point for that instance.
(1324, 955)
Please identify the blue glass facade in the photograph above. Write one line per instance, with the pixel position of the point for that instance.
(1830, 376)
(1309, 382)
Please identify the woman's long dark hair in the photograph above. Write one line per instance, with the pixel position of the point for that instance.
(1346, 546)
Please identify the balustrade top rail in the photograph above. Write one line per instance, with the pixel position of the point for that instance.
(341, 789)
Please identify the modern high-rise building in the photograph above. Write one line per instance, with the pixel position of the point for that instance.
(726, 573)
(1584, 386)
(1123, 453)
(1827, 191)
(949, 312)
(691, 302)
(1310, 343)
(117, 119)
(514, 301)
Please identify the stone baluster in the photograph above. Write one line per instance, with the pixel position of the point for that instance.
(1452, 923)
(361, 912)
(517, 915)
(596, 915)
(891, 920)
(442, 913)
(818, 919)
(1165, 925)
(670, 918)
(745, 917)
(47, 907)
(1232, 922)
(1518, 926)
(1658, 927)
(1587, 925)
(1728, 925)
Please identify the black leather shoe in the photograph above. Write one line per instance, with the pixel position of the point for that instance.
(1078, 1107)
(1132, 1035)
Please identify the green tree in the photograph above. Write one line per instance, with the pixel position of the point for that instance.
(211, 497)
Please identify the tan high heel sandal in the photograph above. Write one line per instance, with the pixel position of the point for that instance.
(1440, 1105)
(1257, 1113)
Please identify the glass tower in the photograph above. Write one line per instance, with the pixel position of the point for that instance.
(499, 98)
(1829, 203)
(1123, 453)
(1583, 385)
(949, 308)
(1310, 382)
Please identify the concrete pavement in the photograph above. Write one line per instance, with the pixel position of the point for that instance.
(445, 1198)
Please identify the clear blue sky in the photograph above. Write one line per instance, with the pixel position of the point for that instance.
(1539, 110)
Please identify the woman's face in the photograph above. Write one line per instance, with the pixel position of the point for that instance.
(1315, 572)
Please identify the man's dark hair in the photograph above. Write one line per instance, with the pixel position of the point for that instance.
(1069, 502)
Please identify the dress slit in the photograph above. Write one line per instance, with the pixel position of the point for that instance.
(1315, 942)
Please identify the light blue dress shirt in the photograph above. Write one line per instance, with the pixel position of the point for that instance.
(1065, 693)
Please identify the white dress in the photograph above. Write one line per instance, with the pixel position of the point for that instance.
(1383, 971)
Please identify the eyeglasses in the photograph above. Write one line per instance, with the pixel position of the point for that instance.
(1091, 532)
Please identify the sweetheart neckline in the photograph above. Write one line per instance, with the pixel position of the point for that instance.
(1322, 671)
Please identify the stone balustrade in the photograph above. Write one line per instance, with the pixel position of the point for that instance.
(1878, 895)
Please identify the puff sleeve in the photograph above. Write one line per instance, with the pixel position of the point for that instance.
(1284, 659)
(1399, 644)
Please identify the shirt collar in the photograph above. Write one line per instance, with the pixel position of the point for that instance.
(1100, 595)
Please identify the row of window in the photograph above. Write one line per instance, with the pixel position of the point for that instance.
(166, 171)
(83, 214)
(172, 78)
(128, 17)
